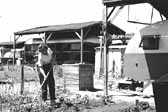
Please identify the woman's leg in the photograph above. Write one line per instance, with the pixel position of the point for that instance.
(44, 87)
(51, 84)
(44, 92)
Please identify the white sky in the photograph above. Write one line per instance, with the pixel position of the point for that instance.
(16, 15)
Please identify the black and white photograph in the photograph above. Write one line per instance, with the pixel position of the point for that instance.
(83, 56)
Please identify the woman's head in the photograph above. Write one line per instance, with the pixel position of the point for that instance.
(43, 48)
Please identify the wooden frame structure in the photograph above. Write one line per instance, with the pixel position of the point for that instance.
(107, 4)
(158, 4)
(81, 30)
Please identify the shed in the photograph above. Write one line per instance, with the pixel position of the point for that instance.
(74, 41)
(75, 38)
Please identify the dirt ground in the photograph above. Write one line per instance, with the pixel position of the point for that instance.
(69, 100)
(77, 101)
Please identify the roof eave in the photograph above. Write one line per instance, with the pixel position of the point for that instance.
(112, 3)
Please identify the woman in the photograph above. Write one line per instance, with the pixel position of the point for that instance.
(45, 68)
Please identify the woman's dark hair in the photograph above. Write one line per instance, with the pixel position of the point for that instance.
(42, 47)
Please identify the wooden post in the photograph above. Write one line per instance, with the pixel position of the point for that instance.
(105, 52)
(101, 60)
(22, 79)
(45, 38)
(64, 79)
(22, 73)
(81, 56)
(14, 48)
(81, 36)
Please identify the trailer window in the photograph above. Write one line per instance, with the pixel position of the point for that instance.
(150, 42)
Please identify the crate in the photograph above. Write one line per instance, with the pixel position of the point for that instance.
(78, 76)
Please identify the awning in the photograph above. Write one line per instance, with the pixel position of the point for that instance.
(160, 5)
(111, 3)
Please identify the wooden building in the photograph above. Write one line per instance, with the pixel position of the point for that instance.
(71, 43)
(6, 51)
(74, 48)
(115, 53)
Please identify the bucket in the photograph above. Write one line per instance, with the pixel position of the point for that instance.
(160, 90)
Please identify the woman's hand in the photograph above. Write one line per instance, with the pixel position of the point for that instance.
(45, 76)
(42, 72)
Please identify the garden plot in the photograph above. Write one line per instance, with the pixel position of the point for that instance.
(67, 100)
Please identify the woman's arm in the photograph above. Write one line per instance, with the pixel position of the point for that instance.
(40, 64)
(42, 72)
(49, 51)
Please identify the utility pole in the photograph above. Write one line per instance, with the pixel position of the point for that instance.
(105, 50)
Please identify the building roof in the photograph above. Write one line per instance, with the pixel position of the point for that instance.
(19, 44)
(160, 5)
(10, 43)
(67, 28)
(159, 28)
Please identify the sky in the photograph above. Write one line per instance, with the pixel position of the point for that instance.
(17, 15)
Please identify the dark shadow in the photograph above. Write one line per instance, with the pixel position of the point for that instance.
(92, 89)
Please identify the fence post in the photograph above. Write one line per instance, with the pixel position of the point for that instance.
(22, 79)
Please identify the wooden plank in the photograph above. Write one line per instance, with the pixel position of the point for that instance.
(81, 55)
